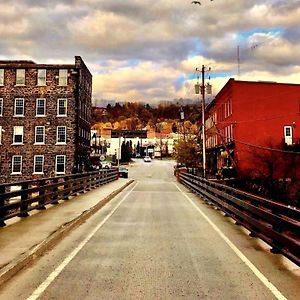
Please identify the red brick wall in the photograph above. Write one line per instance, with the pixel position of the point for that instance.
(260, 110)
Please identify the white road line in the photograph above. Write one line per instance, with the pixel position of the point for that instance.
(247, 262)
(42, 287)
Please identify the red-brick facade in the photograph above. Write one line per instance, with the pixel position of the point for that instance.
(64, 93)
(258, 123)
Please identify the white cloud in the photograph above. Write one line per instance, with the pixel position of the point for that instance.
(148, 50)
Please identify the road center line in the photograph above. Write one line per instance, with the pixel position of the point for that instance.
(42, 287)
(247, 262)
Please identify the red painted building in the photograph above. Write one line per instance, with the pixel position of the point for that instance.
(254, 128)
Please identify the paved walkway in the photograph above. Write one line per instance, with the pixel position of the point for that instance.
(23, 240)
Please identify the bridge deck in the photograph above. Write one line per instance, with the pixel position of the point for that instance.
(22, 238)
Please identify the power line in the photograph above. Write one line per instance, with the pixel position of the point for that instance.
(256, 120)
(261, 147)
(222, 136)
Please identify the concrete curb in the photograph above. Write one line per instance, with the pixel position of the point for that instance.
(53, 239)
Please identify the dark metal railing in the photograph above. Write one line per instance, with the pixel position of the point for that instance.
(36, 194)
(275, 223)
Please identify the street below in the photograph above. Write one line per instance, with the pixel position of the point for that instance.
(156, 240)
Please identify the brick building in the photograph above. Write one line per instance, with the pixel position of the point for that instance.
(254, 127)
(45, 113)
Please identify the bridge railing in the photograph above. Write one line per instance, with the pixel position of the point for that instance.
(275, 223)
(19, 198)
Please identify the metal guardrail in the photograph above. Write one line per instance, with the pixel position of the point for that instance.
(275, 223)
(36, 194)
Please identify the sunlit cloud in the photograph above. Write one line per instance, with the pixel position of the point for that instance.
(149, 50)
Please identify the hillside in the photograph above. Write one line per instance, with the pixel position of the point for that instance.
(135, 116)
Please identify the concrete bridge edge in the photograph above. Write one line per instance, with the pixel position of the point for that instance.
(53, 239)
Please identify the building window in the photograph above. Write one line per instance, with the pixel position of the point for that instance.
(1, 76)
(40, 107)
(20, 77)
(16, 164)
(41, 79)
(39, 135)
(230, 106)
(61, 135)
(19, 107)
(18, 135)
(38, 164)
(1, 107)
(63, 77)
(62, 107)
(231, 132)
(288, 135)
(60, 164)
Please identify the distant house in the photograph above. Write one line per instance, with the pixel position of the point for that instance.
(45, 115)
(254, 128)
(101, 111)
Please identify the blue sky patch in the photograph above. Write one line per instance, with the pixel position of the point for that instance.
(246, 34)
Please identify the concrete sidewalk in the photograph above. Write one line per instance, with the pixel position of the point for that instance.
(24, 240)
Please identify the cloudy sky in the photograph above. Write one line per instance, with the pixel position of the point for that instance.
(145, 50)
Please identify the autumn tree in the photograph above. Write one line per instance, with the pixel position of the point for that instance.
(187, 152)
(277, 175)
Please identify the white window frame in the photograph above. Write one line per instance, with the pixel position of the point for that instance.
(1, 107)
(14, 135)
(15, 108)
(288, 139)
(41, 77)
(231, 132)
(20, 76)
(35, 135)
(63, 77)
(230, 107)
(36, 107)
(56, 161)
(57, 129)
(13, 164)
(65, 101)
(35, 164)
(1, 77)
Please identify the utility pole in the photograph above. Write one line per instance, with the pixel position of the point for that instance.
(197, 91)
(203, 122)
(238, 61)
(182, 119)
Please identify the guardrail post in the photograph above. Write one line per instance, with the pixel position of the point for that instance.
(82, 184)
(276, 246)
(54, 198)
(42, 193)
(66, 187)
(93, 180)
(24, 201)
(98, 178)
(74, 184)
(2, 208)
(89, 182)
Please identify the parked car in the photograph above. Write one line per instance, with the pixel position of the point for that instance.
(123, 172)
(147, 159)
(105, 165)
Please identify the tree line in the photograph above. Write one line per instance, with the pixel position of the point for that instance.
(136, 116)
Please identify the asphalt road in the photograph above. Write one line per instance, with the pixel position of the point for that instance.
(157, 241)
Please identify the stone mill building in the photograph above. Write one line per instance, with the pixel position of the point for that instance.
(45, 114)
